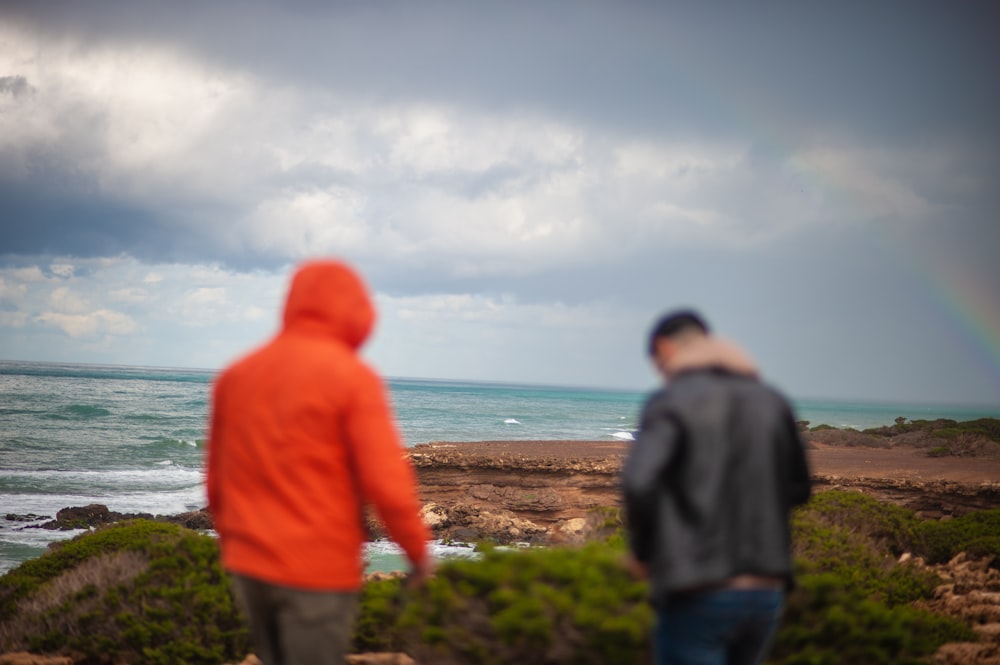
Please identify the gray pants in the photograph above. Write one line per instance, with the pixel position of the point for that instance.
(290, 626)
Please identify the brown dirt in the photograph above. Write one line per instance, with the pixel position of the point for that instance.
(543, 491)
(902, 463)
(826, 460)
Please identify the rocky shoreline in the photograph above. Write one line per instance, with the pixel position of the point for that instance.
(97, 514)
(550, 492)
(546, 492)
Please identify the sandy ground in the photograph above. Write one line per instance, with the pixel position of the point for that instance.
(900, 463)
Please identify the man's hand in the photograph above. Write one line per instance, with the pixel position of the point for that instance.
(635, 568)
(421, 572)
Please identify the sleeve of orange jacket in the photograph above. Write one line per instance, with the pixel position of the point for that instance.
(214, 455)
(386, 477)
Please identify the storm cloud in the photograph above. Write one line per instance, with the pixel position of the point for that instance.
(524, 185)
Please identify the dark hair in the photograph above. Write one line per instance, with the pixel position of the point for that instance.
(674, 322)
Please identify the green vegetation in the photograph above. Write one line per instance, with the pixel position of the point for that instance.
(555, 605)
(942, 428)
(828, 622)
(854, 602)
(821, 427)
(137, 591)
(843, 518)
(941, 437)
(152, 592)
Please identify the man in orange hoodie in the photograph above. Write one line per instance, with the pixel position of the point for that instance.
(301, 439)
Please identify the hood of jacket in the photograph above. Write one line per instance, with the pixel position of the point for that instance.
(711, 352)
(328, 297)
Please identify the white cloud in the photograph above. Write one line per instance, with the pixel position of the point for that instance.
(66, 301)
(26, 275)
(90, 324)
(309, 223)
(207, 296)
(11, 291)
(12, 319)
(426, 139)
(129, 294)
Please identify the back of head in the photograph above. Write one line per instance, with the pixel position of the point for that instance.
(330, 296)
(675, 324)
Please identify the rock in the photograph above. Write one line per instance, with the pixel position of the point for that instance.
(380, 659)
(29, 517)
(85, 517)
(971, 594)
(469, 522)
(572, 531)
(24, 658)
(80, 517)
(434, 516)
(352, 659)
(97, 514)
(251, 660)
(199, 520)
(966, 653)
(380, 576)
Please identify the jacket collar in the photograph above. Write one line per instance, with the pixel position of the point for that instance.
(711, 352)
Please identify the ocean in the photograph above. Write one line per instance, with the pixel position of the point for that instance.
(133, 438)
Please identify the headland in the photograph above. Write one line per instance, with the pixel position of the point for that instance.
(545, 492)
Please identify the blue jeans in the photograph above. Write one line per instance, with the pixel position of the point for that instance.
(725, 627)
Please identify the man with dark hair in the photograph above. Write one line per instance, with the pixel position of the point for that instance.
(708, 486)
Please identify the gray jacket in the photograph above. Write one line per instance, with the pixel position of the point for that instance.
(709, 483)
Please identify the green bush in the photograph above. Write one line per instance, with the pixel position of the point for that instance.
(135, 591)
(829, 622)
(975, 533)
(883, 527)
(557, 605)
(155, 593)
(942, 428)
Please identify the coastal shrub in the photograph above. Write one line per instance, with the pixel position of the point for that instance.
(828, 621)
(858, 540)
(977, 534)
(942, 428)
(988, 427)
(155, 593)
(137, 591)
(558, 605)
(854, 601)
(886, 526)
(891, 529)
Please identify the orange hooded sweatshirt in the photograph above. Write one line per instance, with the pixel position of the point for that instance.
(301, 438)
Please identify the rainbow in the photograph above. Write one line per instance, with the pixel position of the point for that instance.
(949, 282)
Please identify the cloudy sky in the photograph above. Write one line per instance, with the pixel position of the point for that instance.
(525, 185)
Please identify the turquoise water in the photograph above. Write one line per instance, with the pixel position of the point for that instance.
(133, 438)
